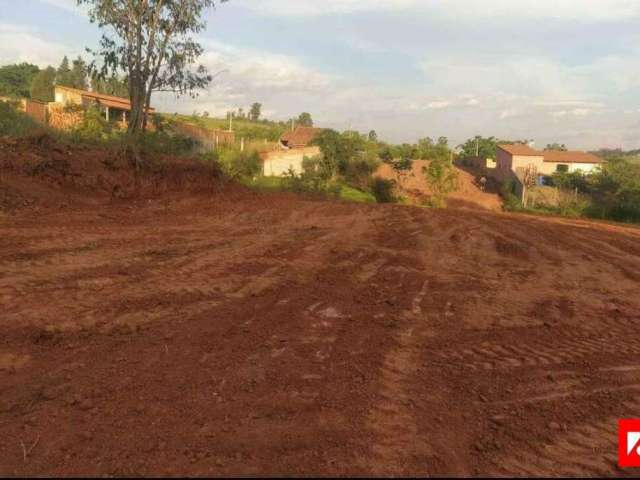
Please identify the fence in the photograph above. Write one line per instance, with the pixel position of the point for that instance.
(210, 139)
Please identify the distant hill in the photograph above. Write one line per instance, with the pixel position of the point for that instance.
(247, 129)
(632, 156)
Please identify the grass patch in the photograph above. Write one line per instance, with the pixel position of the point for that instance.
(351, 194)
(278, 184)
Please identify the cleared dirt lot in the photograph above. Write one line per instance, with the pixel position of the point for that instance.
(237, 333)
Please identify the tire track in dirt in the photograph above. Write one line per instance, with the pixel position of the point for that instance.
(588, 448)
(396, 441)
(562, 348)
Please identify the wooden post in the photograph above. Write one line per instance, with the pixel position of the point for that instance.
(242, 144)
(106, 110)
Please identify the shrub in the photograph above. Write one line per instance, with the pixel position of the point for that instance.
(161, 141)
(237, 164)
(507, 192)
(358, 172)
(14, 123)
(442, 179)
(382, 190)
(94, 127)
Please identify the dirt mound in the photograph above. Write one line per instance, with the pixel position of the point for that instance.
(39, 171)
(468, 194)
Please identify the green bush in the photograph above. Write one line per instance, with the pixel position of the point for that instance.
(442, 179)
(507, 192)
(160, 141)
(94, 127)
(236, 164)
(14, 123)
(358, 172)
(383, 190)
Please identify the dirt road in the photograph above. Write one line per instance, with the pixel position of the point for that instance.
(236, 333)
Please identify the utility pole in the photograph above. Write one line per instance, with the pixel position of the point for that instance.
(477, 147)
(231, 121)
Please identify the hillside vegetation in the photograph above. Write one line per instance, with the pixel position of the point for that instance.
(244, 128)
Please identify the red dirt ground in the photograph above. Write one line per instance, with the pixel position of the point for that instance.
(215, 331)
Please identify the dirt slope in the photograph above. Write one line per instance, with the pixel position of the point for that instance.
(468, 195)
(234, 333)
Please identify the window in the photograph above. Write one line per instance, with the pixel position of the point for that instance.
(562, 168)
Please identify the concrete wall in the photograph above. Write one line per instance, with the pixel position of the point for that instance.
(277, 164)
(62, 119)
(65, 97)
(550, 168)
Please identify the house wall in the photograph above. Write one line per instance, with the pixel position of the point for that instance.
(503, 160)
(277, 164)
(62, 119)
(508, 166)
(64, 97)
(523, 162)
(550, 168)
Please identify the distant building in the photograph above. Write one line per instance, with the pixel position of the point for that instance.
(114, 109)
(301, 137)
(280, 162)
(517, 158)
(295, 146)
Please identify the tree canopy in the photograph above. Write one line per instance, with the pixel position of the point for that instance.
(152, 43)
(16, 79)
(305, 120)
(42, 86)
(556, 146)
(255, 112)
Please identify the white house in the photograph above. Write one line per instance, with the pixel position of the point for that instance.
(518, 157)
(295, 145)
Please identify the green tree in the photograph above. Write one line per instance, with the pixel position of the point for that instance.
(403, 166)
(16, 79)
(111, 86)
(373, 136)
(339, 151)
(305, 120)
(556, 146)
(428, 150)
(78, 74)
(442, 179)
(616, 190)
(42, 86)
(255, 112)
(386, 154)
(153, 43)
(480, 147)
(63, 75)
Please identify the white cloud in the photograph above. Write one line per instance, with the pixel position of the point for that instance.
(68, 5)
(280, 82)
(21, 44)
(577, 112)
(586, 10)
(437, 105)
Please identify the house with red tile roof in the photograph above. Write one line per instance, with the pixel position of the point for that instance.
(301, 137)
(519, 157)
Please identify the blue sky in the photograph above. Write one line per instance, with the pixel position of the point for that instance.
(549, 70)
